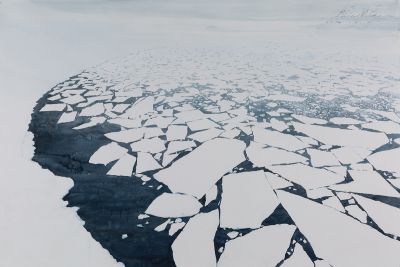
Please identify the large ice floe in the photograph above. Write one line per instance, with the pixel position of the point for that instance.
(207, 164)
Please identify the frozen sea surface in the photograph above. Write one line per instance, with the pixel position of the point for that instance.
(206, 157)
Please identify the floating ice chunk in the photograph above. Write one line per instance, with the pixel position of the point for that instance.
(309, 120)
(71, 92)
(232, 234)
(140, 107)
(150, 132)
(127, 123)
(343, 137)
(119, 99)
(306, 176)
(143, 216)
(191, 115)
(264, 157)
(73, 99)
(176, 132)
(169, 205)
(308, 140)
(120, 108)
(205, 135)
(126, 136)
(168, 158)
(91, 100)
(211, 195)
(241, 191)
(162, 226)
(194, 246)
(334, 202)
(277, 182)
(93, 110)
(197, 172)
(176, 146)
(54, 98)
(230, 133)
(344, 121)
(93, 122)
(161, 122)
(334, 235)
(322, 158)
(218, 117)
(145, 162)
(175, 227)
(319, 193)
(388, 127)
(356, 212)
(263, 247)
(108, 153)
(67, 117)
(153, 145)
(202, 124)
(277, 139)
(350, 155)
(53, 107)
(299, 258)
(124, 166)
(278, 125)
(367, 182)
(387, 160)
(283, 97)
(385, 216)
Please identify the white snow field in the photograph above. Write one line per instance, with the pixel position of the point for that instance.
(242, 115)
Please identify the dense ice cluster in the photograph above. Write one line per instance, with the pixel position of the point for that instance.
(239, 146)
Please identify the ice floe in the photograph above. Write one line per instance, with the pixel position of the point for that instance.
(343, 137)
(169, 205)
(350, 155)
(262, 247)
(277, 139)
(187, 176)
(247, 199)
(385, 216)
(367, 182)
(152, 145)
(264, 157)
(194, 246)
(67, 117)
(145, 162)
(108, 153)
(53, 107)
(124, 166)
(387, 160)
(338, 238)
(126, 136)
(306, 176)
(322, 158)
